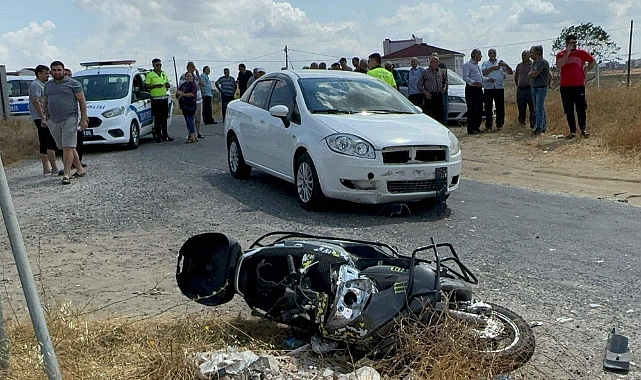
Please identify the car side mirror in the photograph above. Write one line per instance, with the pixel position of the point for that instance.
(419, 109)
(281, 111)
(144, 95)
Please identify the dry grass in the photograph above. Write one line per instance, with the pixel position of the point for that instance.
(18, 140)
(124, 349)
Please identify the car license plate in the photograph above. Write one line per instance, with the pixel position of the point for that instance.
(87, 133)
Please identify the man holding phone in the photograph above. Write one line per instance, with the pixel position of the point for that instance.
(157, 83)
(572, 63)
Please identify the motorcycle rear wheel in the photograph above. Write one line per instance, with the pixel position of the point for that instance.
(507, 340)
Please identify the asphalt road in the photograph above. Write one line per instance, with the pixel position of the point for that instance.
(570, 263)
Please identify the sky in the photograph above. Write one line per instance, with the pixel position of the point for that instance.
(223, 33)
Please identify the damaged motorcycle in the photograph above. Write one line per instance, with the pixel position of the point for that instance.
(348, 291)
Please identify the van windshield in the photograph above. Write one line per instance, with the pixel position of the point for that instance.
(104, 86)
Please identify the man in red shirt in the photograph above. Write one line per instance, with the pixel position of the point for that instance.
(572, 63)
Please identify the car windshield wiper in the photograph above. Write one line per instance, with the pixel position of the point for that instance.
(387, 111)
(334, 111)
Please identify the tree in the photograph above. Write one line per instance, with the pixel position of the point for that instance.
(591, 38)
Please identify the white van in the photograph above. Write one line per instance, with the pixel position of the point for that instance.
(118, 105)
(18, 87)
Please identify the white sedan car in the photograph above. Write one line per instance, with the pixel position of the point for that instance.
(340, 135)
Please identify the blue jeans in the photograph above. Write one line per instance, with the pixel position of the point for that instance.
(190, 120)
(538, 97)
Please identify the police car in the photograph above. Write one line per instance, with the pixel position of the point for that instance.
(19, 94)
(118, 105)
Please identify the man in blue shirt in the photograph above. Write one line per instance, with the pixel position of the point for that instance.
(413, 93)
(207, 97)
(227, 87)
(493, 92)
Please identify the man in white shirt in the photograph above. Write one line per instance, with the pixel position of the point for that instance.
(496, 71)
(414, 94)
(473, 77)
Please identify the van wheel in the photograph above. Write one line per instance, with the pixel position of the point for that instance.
(134, 136)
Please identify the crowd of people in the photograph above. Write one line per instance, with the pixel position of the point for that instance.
(59, 109)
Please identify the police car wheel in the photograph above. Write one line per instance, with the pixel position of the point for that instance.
(134, 136)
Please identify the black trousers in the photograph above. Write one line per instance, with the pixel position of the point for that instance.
(574, 97)
(80, 137)
(474, 102)
(417, 99)
(160, 112)
(225, 99)
(496, 95)
(523, 102)
(207, 110)
(434, 107)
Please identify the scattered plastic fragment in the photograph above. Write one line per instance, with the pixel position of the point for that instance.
(564, 319)
(617, 356)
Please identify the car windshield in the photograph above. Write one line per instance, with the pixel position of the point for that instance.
(352, 95)
(18, 87)
(453, 78)
(104, 86)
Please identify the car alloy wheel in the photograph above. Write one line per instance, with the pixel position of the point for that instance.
(310, 195)
(237, 166)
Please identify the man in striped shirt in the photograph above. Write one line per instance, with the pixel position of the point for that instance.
(432, 84)
(227, 87)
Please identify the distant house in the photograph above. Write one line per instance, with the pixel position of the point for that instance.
(400, 52)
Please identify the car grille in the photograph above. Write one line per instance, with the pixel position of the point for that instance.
(411, 186)
(415, 155)
(94, 122)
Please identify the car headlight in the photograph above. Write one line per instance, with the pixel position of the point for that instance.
(454, 149)
(350, 145)
(455, 99)
(113, 112)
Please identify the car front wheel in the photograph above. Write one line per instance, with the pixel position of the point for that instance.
(237, 166)
(308, 190)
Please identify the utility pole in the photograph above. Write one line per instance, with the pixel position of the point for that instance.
(26, 279)
(286, 58)
(175, 71)
(630, 51)
(4, 95)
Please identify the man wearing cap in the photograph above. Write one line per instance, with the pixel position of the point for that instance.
(157, 83)
(227, 87)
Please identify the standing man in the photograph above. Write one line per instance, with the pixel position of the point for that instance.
(493, 92)
(63, 97)
(523, 90)
(539, 80)
(414, 94)
(227, 87)
(356, 62)
(432, 83)
(191, 68)
(375, 70)
(157, 83)
(80, 138)
(36, 109)
(207, 97)
(243, 78)
(572, 63)
(473, 77)
(443, 66)
(343, 63)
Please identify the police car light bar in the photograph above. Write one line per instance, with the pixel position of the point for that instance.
(108, 63)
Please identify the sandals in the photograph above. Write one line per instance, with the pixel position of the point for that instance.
(66, 181)
(189, 141)
(78, 175)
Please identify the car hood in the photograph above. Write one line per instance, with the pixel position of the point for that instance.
(385, 130)
(97, 107)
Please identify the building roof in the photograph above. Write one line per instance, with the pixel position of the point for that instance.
(421, 50)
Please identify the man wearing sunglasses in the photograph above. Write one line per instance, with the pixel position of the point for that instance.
(572, 63)
(157, 83)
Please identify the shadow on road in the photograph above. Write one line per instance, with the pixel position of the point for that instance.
(273, 196)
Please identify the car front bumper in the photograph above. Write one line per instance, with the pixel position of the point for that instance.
(371, 181)
(113, 130)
